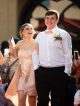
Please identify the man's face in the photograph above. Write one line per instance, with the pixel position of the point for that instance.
(51, 21)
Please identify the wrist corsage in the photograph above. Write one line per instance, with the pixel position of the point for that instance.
(58, 37)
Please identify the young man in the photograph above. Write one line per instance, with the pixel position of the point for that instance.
(55, 57)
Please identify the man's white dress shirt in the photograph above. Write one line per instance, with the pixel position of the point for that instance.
(55, 53)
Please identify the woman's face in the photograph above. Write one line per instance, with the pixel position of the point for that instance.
(28, 31)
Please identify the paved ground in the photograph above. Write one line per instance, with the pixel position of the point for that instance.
(15, 101)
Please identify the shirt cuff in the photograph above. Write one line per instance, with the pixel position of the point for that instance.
(68, 69)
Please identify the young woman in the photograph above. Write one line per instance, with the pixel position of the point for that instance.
(23, 80)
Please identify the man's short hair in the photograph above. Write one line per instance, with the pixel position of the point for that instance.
(52, 12)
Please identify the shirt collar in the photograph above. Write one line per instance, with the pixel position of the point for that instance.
(53, 30)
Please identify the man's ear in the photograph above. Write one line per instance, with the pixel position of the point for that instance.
(57, 21)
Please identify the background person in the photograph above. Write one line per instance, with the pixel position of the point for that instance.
(77, 94)
(5, 48)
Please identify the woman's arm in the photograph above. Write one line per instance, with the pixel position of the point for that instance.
(13, 50)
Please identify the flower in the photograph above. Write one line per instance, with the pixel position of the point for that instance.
(58, 37)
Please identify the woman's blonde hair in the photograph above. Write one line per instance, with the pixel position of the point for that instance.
(22, 28)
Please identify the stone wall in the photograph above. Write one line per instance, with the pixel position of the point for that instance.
(8, 19)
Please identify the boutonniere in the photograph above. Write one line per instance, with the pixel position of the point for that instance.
(58, 37)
